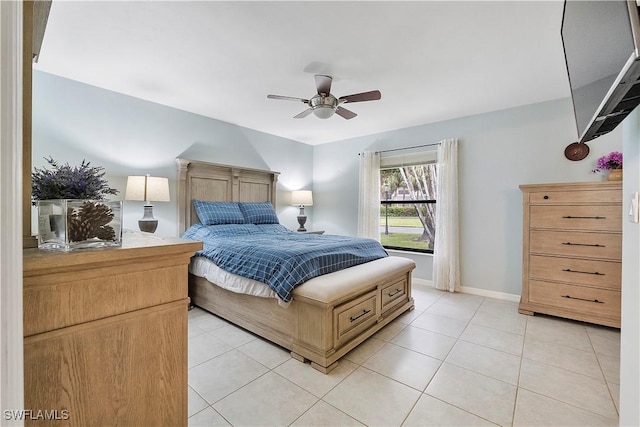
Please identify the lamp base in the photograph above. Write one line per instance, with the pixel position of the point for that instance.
(148, 223)
(301, 220)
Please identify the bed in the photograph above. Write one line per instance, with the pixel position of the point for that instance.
(328, 315)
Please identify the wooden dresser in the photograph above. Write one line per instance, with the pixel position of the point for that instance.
(572, 251)
(105, 333)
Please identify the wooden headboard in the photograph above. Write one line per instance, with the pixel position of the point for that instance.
(220, 183)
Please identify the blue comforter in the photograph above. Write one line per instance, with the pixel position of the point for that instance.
(278, 257)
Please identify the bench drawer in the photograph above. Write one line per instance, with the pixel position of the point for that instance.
(354, 316)
(393, 294)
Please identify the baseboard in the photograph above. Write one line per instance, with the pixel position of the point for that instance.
(490, 294)
(422, 282)
(473, 291)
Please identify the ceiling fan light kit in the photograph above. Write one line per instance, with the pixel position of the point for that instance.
(324, 104)
(323, 111)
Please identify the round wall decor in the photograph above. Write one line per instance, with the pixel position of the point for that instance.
(576, 151)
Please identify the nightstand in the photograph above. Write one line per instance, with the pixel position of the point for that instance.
(312, 232)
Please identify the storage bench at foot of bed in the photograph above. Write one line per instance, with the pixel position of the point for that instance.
(329, 315)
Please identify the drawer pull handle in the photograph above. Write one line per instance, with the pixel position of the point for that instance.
(584, 217)
(597, 245)
(354, 318)
(595, 273)
(397, 291)
(583, 299)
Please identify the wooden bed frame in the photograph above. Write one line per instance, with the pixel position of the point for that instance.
(329, 315)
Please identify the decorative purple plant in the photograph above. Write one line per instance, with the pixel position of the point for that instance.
(66, 182)
(612, 160)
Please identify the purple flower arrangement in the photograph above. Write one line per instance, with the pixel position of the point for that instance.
(612, 160)
(66, 182)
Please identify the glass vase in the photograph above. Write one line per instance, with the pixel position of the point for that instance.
(66, 225)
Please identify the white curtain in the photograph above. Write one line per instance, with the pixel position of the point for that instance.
(369, 197)
(446, 264)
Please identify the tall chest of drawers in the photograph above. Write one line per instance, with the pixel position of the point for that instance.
(572, 251)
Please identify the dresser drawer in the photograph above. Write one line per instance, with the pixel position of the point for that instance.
(97, 293)
(574, 243)
(569, 197)
(594, 301)
(597, 218)
(604, 274)
(354, 316)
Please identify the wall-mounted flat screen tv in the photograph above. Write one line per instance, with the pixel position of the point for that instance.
(601, 40)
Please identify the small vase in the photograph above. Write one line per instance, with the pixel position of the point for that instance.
(615, 175)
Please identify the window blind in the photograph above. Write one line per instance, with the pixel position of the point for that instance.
(408, 159)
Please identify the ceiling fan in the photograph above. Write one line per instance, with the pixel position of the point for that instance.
(324, 104)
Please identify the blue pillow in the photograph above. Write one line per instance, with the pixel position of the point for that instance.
(213, 213)
(259, 213)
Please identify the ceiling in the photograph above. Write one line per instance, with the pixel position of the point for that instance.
(431, 60)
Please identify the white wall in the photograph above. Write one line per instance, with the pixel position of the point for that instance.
(73, 121)
(497, 152)
(630, 341)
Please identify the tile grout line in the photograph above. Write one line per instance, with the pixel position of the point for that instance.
(603, 374)
(524, 341)
(461, 409)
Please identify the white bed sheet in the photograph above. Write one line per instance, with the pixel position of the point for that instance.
(204, 267)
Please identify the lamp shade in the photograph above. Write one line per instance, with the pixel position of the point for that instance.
(147, 188)
(301, 198)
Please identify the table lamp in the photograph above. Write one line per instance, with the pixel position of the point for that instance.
(302, 198)
(147, 188)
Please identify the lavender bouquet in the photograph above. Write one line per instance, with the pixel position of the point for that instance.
(66, 182)
(612, 160)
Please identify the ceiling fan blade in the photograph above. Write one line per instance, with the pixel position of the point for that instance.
(347, 114)
(323, 83)
(304, 114)
(374, 95)
(288, 98)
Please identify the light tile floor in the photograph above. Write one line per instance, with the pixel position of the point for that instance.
(456, 360)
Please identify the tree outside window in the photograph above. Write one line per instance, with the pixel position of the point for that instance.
(407, 211)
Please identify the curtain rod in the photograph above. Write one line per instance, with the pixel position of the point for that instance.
(407, 148)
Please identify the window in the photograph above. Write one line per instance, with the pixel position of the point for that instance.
(408, 205)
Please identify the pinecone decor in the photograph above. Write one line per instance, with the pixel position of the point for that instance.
(90, 221)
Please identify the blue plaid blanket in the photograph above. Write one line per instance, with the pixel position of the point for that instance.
(278, 257)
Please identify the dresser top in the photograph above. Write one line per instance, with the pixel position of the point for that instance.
(134, 245)
(575, 186)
